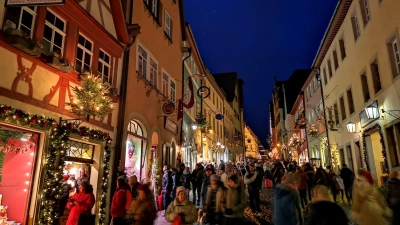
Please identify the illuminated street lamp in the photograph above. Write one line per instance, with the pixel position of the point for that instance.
(351, 127)
(194, 126)
(372, 112)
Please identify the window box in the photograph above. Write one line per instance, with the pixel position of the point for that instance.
(16, 38)
(59, 63)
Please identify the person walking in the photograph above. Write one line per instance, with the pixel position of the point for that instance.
(181, 209)
(225, 176)
(253, 180)
(368, 206)
(348, 178)
(309, 170)
(393, 196)
(301, 179)
(167, 184)
(287, 208)
(240, 180)
(118, 203)
(204, 187)
(216, 195)
(142, 211)
(235, 203)
(221, 166)
(323, 211)
(185, 180)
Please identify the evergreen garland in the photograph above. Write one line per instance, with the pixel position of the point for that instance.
(55, 158)
(382, 141)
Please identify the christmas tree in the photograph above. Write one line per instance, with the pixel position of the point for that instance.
(92, 98)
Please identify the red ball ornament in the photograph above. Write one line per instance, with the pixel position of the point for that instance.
(33, 120)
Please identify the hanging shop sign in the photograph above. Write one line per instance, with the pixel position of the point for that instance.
(219, 117)
(170, 125)
(168, 108)
(18, 3)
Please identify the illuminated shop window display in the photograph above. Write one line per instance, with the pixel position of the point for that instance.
(18, 149)
(135, 155)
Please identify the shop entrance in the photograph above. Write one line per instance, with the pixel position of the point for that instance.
(18, 159)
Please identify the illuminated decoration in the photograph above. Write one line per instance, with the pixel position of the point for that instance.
(365, 133)
(92, 98)
(294, 141)
(194, 126)
(335, 158)
(201, 121)
(51, 188)
(372, 112)
(313, 131)
(351, 127)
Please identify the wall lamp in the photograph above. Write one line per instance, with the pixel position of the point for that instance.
(351, 127)
(194, 126)
(372, 112)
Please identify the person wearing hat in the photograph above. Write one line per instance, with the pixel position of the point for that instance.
(181, 208)
(287, 208)
(235, 203)
(225, 176)
(66, 189)
(253, 181)
(204, 187)
(81, 203)
(215, 198)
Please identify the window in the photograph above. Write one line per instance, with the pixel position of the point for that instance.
(165, 84)
(356, 26)
(54, 34)
(21, 18)
(104, 66)
(84, 53)
(342, 108)
(142, 61)
(376, 77)
(350, 101)
(365, 10)
(167, 25)
(315, 83)
(329, 68)
(365, 89)
(325, 77)
(172, 90)
(153, 72)
(342, 49)
(154, 7)
(335, 60)
(336, 113)
(394, 54)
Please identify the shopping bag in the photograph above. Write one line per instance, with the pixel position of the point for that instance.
(177, 221)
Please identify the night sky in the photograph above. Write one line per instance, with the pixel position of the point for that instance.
(259, 39)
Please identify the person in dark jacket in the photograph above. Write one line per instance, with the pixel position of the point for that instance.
(242, 170)
(66, 189)
(348, 178)
(221, 166)
(323, 211)
(167, 184)
(321, 177)
(185, 180)
(204, 186)
(195, 186)
(260, 172)
(393, 196)
(175, 182)
(253, 180)
(309, 170)
(133, 186)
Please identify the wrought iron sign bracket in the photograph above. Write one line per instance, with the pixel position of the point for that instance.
(393, 113)
(78, 121)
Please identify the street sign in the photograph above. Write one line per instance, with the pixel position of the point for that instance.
(168, 108)
(18, 3)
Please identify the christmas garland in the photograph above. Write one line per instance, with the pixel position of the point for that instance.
(364, 134)
(55, 158)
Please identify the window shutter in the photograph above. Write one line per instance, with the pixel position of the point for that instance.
(171, 29)
(160, 12)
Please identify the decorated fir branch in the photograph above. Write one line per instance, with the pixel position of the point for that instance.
(92, 98)
(55, 158)
(381, 140)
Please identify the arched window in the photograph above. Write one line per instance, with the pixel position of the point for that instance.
(136, 150)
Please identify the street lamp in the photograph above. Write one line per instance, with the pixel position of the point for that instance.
(351, 127)
(222, 146)
(218, 143)
(194, 126)
(372, 112)
(204, 139)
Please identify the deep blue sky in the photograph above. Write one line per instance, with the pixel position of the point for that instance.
(259, 39)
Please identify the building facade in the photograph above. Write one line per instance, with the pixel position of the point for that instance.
(151, 127)
(252, 144)
(358, 50)
(44, 51)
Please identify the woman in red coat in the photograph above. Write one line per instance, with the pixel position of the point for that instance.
(80, 203)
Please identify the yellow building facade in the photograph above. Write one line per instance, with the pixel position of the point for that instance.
(252, 143)
(358, 63)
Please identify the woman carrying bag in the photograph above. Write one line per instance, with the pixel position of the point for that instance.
(81, 205)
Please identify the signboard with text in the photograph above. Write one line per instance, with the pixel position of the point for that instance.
(17, 3)
(170, 125)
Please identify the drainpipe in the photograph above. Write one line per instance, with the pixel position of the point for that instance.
(325, 120)
(189, 50)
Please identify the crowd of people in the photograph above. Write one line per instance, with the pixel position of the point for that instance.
(302, 195)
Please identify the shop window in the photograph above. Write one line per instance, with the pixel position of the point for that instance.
(84, 53)
(153, 72)
(80, 150)
(18, 156)
(104, 66)
(54, 34)
(142, 61)
(136, 150)
(21, 18)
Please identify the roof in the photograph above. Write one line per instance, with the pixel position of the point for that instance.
(337, 19)
(227, 81)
